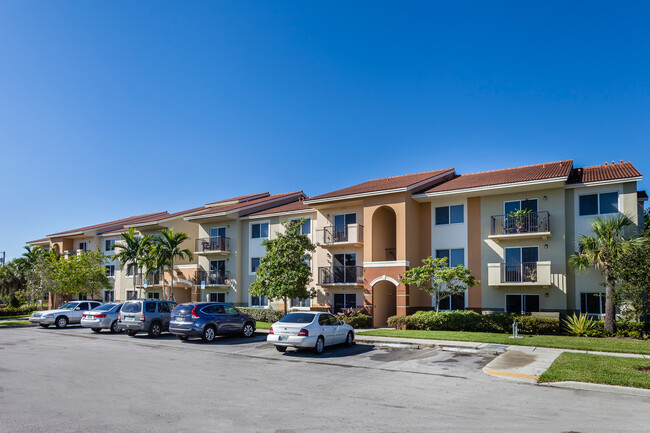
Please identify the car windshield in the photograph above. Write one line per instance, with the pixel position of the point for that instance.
(131, 307)
(69, 306)
(104, 307)
(298, 318)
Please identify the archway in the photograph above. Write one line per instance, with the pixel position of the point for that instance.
(384, 235)
(384, 300)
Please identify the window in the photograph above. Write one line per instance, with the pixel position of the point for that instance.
(255, 262)
(515, 205)
(218, 231)
(217, 297)
(344, 268)
(108, 244)
(450, 215)
(455, 256)
(453, 302)
(344, 300)
(301, 303)
(594, 204)
(110, 270)
(260, 231)
(522, 303)
(83, 306)
(341, 224)
(130, 270)
(520, 264)
(227, 309)
(153, 295)
(592, 303)
(149, 307)
(163, 307)
(131, 294)
(259, 301)
(83, 246)
(305, 229)
(82, 296)
(109, 296)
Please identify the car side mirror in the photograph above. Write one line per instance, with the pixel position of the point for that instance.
(341, 322)
(77, 309)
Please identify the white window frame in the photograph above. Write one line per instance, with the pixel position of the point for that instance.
(260, 223)
(150, 295)
(85, 244)
(250, 265)
(600, 304)
(449, 206)
(520, 200)
(225, 230)
(505, 300)
(109, 273)
(250, 302)
(311, 224)
(618, 203)
(449, 254)
(112, 243)
(520, 252)
(217, 296)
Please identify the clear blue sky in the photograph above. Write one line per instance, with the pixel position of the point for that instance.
(110, 109)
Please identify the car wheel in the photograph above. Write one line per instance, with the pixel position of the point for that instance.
(114, 328)
(349, 340)
(61, 322)
(320, 345)
(248, 330)
(182, 337)
(208, 334)
(281, 349)
(43, 326)
(131, 333)
(154, 330)
(96, 330)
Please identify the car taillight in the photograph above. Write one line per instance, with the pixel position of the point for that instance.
(119, 316)
(142, 317)
(303, 333)
(271, 330)
(100, 316)
(196, 316)
(83, 315)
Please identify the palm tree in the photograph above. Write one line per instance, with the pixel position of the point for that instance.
(153, 259)
(609, 240)
(133, 250)
(169, 248)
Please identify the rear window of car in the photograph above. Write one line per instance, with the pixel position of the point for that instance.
(298, 318)
(183, 309)
(131, 307)
(104, 307)
(149, 307)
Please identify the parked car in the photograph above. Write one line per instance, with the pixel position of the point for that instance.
(309, 329)
(145, 315)
(208, 319)
(102, 317)
(67, 314)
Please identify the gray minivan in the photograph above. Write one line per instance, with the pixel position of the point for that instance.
(145, 315)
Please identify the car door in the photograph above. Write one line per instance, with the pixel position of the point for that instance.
(232, 318)
(75, 315)
(340, 331)
(165, 314)
(327, 330)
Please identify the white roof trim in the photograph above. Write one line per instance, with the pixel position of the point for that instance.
(293, 212)
(604, 182)
(390, 264)
(243, 208)
(491, 187)
(63, 235)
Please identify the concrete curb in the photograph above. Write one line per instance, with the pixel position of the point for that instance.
(600, 387)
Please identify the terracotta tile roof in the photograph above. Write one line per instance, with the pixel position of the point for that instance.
(39, 241)
(257, 202)
(385, 183)
(289, 207)
(241, 198)
(548, 170)
(156, 218)
(641, 195)
(597, 173)
(109, 226)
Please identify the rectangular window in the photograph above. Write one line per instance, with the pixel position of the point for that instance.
(594, 204)
(455, 256)
(108, 244)
(131, 294)
(260, 231)
(522, 303)
(592, 303)
(109, 296)
(515, 205)
(255, 262)
(218, 231)
(217, 297)
(131, 270)
(259, 301)
(344, 300)
(453, 302)
(110, 270)
(306, 227)
(82, 297)
(450, 214)
(153, 295)
(301, 303)
(83, 246)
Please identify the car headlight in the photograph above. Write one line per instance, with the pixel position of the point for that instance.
(49, 316)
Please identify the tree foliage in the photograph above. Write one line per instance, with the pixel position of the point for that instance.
(132, 251)
(165, 249)
(284, 272)
(631, 269)
(438, 279)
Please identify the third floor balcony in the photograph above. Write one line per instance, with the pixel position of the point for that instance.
(211, 278)
(343, 235)
(219, 245)
(350, 276)
(520, 226)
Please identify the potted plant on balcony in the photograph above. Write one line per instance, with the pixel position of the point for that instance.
(520, 218)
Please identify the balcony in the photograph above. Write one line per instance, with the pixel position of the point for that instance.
(343, 235)
(519, 274)
(152, 279)
(211, 278)
(348, 276)
(212, 245)
(529, 226)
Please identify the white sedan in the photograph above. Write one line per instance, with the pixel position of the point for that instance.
(309, 329)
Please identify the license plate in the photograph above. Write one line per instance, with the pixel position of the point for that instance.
(129, 318)
(179, 319)
(283, 338)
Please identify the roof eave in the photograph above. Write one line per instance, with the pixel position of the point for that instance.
(489, 187)
(604, 182)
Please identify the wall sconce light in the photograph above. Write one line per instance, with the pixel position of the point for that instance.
(546, 246)
(545, 198)
(546, 294)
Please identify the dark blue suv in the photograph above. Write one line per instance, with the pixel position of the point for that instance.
(207, 319)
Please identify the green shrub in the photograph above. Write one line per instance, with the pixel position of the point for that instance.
(578, 325)
(354, 318)
(14, 302)
(397, 321)
(16, 311)
(263, 314)
(538, 325)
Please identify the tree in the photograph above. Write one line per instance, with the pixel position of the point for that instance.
(438, 279)
(167, 248)
(631, 269)
(154, 258)
(611, 237)
(133, 251)
(83, 273)
(284, 272)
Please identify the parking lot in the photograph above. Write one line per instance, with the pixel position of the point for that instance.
(73, 380)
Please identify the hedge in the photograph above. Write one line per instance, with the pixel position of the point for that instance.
(356, 320)
(16, 311)
(263, 314)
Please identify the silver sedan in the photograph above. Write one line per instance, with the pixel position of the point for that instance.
(309, 329)
(102, 317)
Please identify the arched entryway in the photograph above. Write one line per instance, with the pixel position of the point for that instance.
(384, 235)
(384, 300)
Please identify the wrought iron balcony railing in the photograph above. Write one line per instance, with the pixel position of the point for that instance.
(340, 275)
(533, 222)
(212, 244)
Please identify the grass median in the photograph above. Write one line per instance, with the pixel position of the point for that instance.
(15, 323)
(619, 345)
(263, 325)
(609, 370)
(20, 316)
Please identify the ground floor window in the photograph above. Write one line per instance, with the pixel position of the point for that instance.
(344, 300)
(453, 302)
(592, 303)
(259, 301)
(109, 296)
(82, 296)
(301, 303)
(153, 295)
(217, 297)
(522, 303)
(131, 294)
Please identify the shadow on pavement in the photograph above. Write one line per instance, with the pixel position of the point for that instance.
(330, 352)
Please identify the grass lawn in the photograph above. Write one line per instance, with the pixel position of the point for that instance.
(263, 325)
(15, 317)
(557, 341)
(15, 323)
(611, 370)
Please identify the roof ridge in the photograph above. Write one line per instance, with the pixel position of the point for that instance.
(110, 223)
(518, 167)
(410, 174)
(606, 164)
